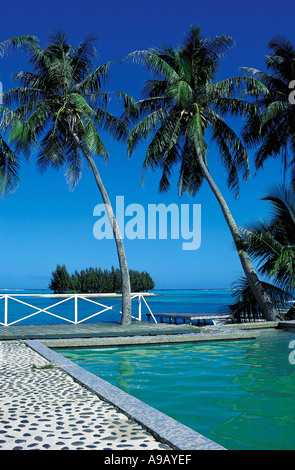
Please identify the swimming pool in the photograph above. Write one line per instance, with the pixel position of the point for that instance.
(240, 394)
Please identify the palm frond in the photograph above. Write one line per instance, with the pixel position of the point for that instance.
(272, 243)
(82, 58)
(52, 152)
(233, 154)
(182, 85)
(111, 124)
(15, 42)
(153, 61)
(283, 203)
(9, 167)
(245, 307)
(273, 130)
(144, 129)
(190, 174)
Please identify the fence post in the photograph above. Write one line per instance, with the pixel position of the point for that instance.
(139, 307)
(5, 310)
(76, 308)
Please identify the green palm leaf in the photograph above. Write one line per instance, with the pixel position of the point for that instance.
(245, 308)
(273, 130)
(15, 42)
(9, 167)
(183, 94)
(272, 243)
(9, 164)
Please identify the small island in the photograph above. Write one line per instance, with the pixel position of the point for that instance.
(97, 280)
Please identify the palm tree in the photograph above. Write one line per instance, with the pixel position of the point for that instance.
(9, 164)
(273, 129)
(179, 105)
(272, 242)
(60, 105)
(245, 308)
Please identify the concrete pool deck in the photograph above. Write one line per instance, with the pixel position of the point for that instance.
(213, 333)
(44, 409)
(104, 330)
(89, 330)
(66, 407)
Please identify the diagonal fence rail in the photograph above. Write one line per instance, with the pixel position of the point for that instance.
(75, 314)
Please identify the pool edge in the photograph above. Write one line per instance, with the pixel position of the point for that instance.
(216, 334)
(164, 428)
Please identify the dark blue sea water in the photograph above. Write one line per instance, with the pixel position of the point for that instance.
(178, 301)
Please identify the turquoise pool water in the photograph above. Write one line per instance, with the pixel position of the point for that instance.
(241, 394)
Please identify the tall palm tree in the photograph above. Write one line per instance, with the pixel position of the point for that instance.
(179, 105)
(9, 164)
(273, 129)
(59, 107)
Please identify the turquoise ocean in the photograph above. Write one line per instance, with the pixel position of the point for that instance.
(178, 300)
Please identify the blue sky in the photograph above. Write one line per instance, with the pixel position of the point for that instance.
(45, 224)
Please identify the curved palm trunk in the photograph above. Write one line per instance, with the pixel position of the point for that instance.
(126, 289)
(263, 300)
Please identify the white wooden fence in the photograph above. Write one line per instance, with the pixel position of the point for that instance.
(63, 298)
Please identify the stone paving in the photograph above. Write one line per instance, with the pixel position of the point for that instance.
(44, 408)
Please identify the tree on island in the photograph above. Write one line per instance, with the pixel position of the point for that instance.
(61, 281)
(60, 106)
(180, 104)
(93, 280)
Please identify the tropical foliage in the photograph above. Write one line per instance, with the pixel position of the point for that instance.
(180, 105)
(94, 280)
(59, 108)
(271, 243)
(245, 308)
(9, 160)
(272, 128)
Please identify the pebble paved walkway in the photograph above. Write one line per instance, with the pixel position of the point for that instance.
(45, 409)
